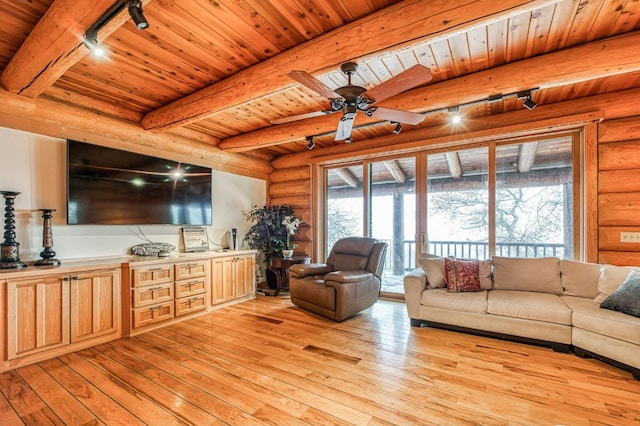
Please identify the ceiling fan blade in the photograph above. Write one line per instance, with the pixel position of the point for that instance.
(344, 129)
(301, 117)
(397, 115)
(313, 83)
(408, 79)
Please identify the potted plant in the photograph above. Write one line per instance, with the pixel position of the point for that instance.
(271, 231)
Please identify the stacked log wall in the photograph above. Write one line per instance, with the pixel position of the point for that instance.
(618, 190)
(293, 186)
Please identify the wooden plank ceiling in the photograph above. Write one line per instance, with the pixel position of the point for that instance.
(217, 71)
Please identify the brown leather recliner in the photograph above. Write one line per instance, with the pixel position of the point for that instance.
(348, 283)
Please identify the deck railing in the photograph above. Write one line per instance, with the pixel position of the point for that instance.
(471, 250)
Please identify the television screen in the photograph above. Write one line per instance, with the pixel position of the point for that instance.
(114, 187)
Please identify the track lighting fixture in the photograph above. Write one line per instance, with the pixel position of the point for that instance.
(90, 41)
(135, 11)
(310, 143)
(454, 111)
(347, 140)
(397, 129)
(528, 103)
(90, 38)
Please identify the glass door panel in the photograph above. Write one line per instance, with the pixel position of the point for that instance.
(344, 204)
(534, 198)
(458, 204)
(392, 203)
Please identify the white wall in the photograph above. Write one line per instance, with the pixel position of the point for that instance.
(35, 166)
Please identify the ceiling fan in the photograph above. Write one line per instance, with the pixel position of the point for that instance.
(350, 99)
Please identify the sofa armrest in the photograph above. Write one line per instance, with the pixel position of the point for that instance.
(309, 269)
(348, 276)
(415, 282)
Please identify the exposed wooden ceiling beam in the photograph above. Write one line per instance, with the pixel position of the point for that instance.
(347, 177)
(453, 163)
(59, 120)
(56, 44)
(527, 156)
(395, 170)
(399, 25)
(586, 62)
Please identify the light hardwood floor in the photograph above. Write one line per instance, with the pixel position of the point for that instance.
(267, 361)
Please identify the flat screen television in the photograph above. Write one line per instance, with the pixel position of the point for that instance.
(107, 186)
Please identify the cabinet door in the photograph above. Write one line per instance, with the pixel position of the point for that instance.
(244, 275)
(95, 304)
(222, 281)
(37, 315)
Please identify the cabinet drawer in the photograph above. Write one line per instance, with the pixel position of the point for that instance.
(152, 275)
(190, 287)
(144, 296)
(190, 304)
(152, 314)
(191, 269)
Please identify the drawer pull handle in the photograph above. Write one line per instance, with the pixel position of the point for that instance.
(155, 289)
(155, 269)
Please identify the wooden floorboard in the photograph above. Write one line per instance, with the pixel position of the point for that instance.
(267, 361)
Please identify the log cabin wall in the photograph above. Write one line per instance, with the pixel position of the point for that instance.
(612, 195)
(292, 186)
(619, 190)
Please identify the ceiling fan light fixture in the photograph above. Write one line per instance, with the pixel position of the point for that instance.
(135, 11)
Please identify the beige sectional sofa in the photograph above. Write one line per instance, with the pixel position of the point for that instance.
(546, 301)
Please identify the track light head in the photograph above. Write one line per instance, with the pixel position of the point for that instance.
(454, 111)
(397, 129)
(528, 103)
(90, 41)
(310, 143)
(135, 11)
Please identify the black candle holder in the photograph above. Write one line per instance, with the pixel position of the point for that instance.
(47, 241)
(10, 249)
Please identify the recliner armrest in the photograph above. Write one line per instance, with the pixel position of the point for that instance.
(348, 276)
(309, 269)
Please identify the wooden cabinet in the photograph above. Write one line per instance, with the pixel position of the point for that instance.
(95, 304)
(162, 292)
(191, 286)
(37, 315)
(233, 277)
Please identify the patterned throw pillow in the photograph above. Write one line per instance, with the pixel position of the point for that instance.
(626, 298)
(462, 275)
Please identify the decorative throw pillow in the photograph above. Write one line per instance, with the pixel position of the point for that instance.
(626, 298)
(434, 269)
(611, 277)
(462, 275)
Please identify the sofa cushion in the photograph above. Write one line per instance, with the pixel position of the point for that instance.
(579, 278)
(539, 274)
(474, 302)
(626, 298)
(462, 275)
(434, 269)
(528, 305)
(588, 316)
(611, 277)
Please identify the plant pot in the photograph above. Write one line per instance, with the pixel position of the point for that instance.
(287, 253)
